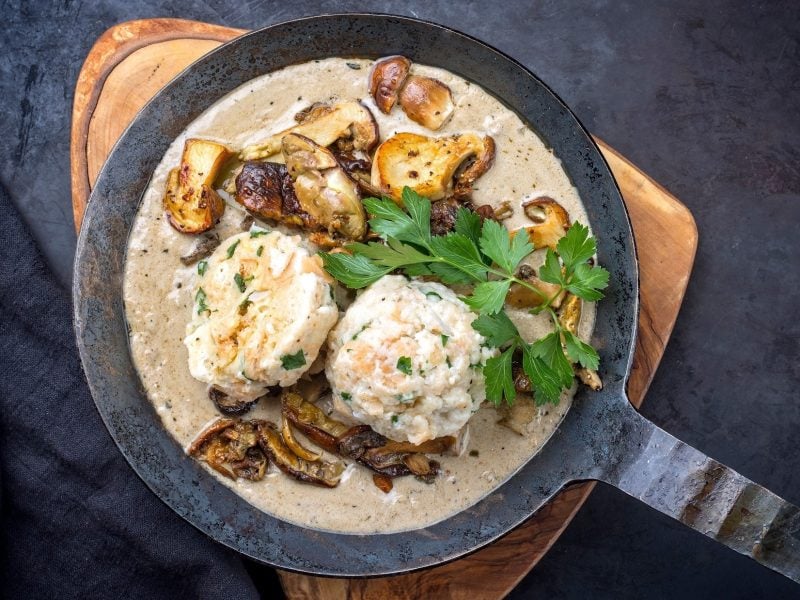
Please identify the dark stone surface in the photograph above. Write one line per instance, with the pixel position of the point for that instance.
(705, 97)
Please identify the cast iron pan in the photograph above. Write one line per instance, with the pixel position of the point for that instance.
(602, 437)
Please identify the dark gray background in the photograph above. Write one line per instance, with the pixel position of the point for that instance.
(703, 96)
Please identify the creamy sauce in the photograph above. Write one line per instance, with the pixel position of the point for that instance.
(157, 294)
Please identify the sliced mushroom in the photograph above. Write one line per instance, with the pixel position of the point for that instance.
(228, 405)
(322, 473)
(521, 296)
(519, 417)
(191, 203)
(360, 443)
(312, 112)
(203, 247)
(504, 211)
(551, 222)
(386, 79)
(427, 101)
(323, 189)
(359, 168)
(569, 315)
(429, 165)
(325, 125)
(231, 448)
(294, 445)
(589, 378)
(314, 423)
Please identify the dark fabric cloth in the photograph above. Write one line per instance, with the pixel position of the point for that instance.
(76, 520)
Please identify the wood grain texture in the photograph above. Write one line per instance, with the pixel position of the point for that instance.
(132, 61)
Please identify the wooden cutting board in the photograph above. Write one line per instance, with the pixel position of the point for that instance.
(132, 61)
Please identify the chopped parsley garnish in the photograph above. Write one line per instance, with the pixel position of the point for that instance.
(201, 299)
(433, 295)
(404, 364)
(254, 233)
(293, 361)
(260, 251)
(360, 331)
(241, 282)
(346, 396)
(244, 305)
(395, 418)
(445, 339)
(202, 267)
(482, 253)
(232, 248)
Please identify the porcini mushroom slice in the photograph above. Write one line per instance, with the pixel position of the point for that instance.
(521, 296)
(386, 79)
(294, 445)
(589, 378)
(569, 315)
(350, 120)
(314, 423)
(322, 473)
(551, 222)
(519, 417)
(266, 190)
(231, 448)
(428, 165)
(323, 189)
(191, 203)
(427, 101)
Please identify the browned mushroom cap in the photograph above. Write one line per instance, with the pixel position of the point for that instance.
(427, 101)
(386, 79)
(266, 190)
(429, 165)
(551, 222)
(322, 473)
(521, 296)
(323, 189)
(314, 423)
(325, 125)
(231, 448)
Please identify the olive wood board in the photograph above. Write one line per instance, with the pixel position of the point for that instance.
(131, 61)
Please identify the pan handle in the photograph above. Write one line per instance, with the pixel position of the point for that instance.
(700, 492)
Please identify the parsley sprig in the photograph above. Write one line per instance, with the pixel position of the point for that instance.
(483, 254)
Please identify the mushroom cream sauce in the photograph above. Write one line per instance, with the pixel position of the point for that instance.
(158, 302)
